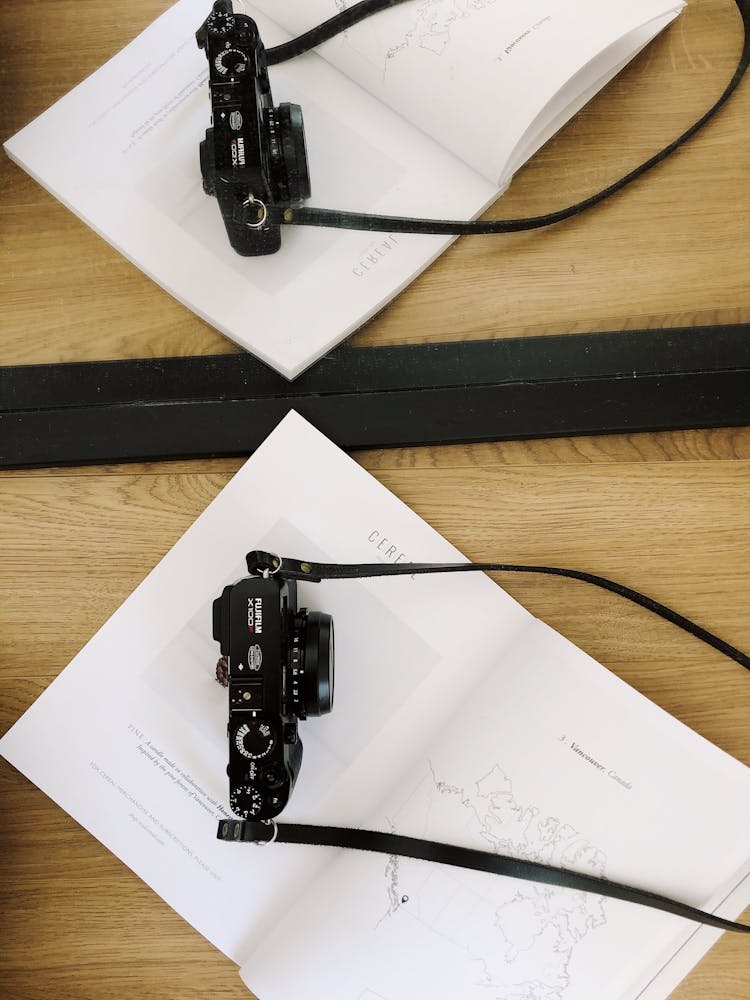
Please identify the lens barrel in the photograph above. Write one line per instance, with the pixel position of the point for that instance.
(289, 168)
(310, 667)
(318, 669)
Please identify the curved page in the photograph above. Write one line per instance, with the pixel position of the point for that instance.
(474, 74)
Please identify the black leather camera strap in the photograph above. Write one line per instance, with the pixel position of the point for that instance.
(332, 218)
(294, 569)
(266, 832)
(235, 830)
(328, 29)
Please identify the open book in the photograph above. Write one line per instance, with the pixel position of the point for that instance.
(458, 717)
(426, 109)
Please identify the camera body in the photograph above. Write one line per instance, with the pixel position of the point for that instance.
(254, 154)
(279, 670)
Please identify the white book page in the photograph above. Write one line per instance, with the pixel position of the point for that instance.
(581, 88)
(121, 151)
(551, 758)
(131, 739)
(473, 74)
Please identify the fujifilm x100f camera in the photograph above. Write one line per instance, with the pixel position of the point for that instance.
(278, 661)
(254, 155)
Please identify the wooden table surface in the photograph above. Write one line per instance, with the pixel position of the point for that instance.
(668, 513)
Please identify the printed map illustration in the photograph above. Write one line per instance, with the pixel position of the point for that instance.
(430, 25)
(519, 937)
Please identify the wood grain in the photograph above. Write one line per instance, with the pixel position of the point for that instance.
(667, 513)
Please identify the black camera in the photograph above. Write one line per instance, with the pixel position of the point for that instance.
(277, 661)
(254, 155)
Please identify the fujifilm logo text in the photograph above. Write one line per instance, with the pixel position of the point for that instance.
(255, 615)
(238, 152)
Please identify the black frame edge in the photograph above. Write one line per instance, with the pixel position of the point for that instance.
(551, 386)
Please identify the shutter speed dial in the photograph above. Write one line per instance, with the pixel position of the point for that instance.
(232, 63)
(255, 739)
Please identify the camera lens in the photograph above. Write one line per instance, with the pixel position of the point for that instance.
(289, 153)
(309, 680)
(318, 675)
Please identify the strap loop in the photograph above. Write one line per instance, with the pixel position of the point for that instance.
(263, 563)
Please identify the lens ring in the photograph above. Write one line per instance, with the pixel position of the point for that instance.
(318, 679)
(294, 153)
